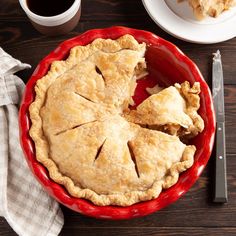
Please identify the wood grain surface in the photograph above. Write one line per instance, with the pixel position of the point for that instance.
(194, 213)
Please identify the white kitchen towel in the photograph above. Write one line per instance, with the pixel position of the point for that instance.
(28, 209)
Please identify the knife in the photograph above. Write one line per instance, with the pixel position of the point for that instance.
(220, 194)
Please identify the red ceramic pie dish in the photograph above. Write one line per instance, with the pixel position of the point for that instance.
(166, 65)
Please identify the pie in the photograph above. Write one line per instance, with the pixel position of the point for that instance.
(90, 140)
(213, 8)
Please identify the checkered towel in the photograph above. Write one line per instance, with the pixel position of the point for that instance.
(23, 202)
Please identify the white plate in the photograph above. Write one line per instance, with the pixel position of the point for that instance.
(178, 20)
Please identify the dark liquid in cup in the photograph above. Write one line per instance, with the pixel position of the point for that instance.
(49, 7)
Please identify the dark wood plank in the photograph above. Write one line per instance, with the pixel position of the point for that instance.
(154, 231)
(131, 231)
(5, 229)
(230, 116)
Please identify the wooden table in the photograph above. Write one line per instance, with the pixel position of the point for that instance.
(194, 213)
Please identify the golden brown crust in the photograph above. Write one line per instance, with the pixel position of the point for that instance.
(84, 141)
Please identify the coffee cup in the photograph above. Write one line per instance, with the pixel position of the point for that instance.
(57, 24)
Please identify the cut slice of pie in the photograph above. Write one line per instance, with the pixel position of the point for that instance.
(85, 141)
(172, 110)
(214, 8)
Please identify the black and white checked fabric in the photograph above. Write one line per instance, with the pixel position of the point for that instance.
(24, 204)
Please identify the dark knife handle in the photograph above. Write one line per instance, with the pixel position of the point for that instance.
(220, 194)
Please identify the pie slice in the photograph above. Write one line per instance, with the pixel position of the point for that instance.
(214, 8)
(172, 110)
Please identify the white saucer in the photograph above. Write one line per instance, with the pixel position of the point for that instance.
(178, 20)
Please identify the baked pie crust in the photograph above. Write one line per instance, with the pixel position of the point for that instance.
(84, 134)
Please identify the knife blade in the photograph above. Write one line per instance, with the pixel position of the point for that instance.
(220, 194)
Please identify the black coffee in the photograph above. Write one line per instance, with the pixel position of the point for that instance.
(49, 7)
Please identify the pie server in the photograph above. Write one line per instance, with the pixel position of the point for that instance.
(220, 194)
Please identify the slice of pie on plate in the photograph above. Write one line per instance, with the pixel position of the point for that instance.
(214, 8)
(85, 138)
